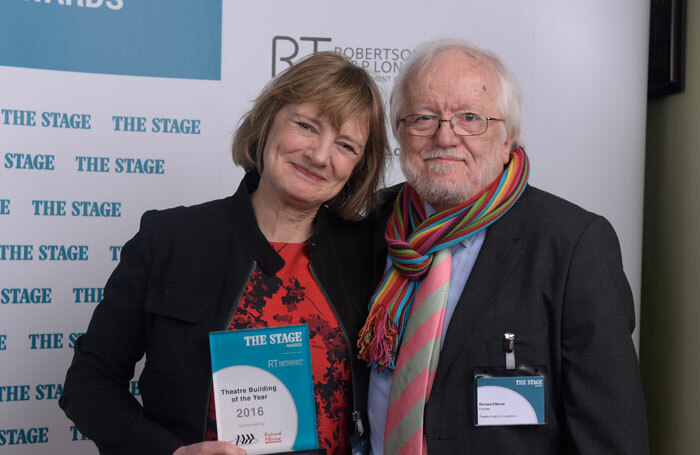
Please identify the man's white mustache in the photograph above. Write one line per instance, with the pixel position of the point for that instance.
(442, 153)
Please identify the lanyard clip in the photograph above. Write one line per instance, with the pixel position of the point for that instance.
(509, 349)
(358, 423)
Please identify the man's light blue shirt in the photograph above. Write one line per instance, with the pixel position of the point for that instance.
(463, 258)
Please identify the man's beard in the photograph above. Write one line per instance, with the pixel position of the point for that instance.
(442, 193)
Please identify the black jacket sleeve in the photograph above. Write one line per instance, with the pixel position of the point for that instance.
(601, 390)
(96, 394)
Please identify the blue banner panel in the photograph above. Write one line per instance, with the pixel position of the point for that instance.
(160, 38)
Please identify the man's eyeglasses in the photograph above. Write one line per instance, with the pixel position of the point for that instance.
(465, 124)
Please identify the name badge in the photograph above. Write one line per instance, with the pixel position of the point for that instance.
(509, 399)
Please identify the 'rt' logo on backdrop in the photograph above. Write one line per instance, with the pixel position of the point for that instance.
(286, 48)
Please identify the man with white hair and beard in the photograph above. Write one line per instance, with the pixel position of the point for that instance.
(503, 322)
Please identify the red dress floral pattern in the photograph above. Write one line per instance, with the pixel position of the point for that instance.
(292, 296)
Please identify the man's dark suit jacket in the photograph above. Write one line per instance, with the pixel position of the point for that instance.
(551, 273)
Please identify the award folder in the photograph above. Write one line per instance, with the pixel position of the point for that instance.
(263, 388)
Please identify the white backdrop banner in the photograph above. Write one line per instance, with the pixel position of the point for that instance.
(109, 108)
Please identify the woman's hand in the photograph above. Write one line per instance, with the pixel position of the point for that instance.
(210, 448)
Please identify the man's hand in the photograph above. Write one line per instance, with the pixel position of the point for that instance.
(210, 448)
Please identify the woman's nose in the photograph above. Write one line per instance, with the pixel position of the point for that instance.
(320, 152)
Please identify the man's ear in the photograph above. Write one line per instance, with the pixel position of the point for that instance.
(505, 151)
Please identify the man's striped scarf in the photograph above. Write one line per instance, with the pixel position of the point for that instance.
(412, 239)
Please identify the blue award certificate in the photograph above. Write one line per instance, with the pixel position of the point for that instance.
(263, 388)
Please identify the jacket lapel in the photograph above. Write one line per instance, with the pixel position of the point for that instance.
(501, 251)
(248, 248)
